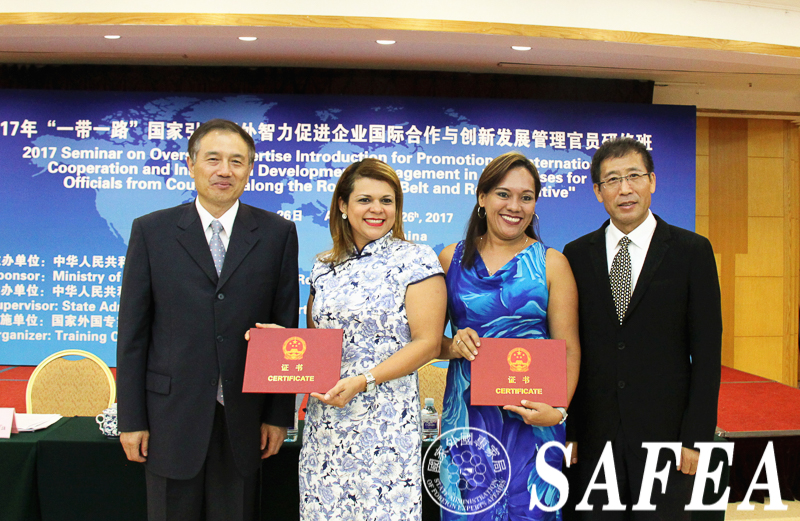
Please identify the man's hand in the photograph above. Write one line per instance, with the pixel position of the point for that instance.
(688, 462)
(271, 439)
(135, 445)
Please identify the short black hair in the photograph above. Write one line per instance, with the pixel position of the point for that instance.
(620, 147)
(225, 126)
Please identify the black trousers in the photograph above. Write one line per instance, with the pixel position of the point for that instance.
(217, 493)
(670, 506)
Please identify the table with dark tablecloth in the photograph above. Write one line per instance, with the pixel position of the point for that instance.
(86, 474)
(19, 499)
(72, 468)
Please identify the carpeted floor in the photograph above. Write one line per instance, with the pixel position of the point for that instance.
(741, 408)
(13, 381)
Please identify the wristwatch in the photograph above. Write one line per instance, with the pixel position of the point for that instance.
(371, 382)
(564, 414)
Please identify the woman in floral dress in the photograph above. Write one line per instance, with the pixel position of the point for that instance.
(361, 442)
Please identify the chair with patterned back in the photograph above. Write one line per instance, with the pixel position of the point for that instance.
(432, 380)
(81, 387)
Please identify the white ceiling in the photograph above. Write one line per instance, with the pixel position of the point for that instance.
(710, 79)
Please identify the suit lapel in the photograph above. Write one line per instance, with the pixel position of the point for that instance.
(241, 242)
(659, 245)
(599, 258)
(193, 239)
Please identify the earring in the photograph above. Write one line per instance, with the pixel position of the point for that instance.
(344, 216)
(478, 212)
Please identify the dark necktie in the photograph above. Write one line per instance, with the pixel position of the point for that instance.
(621, 278)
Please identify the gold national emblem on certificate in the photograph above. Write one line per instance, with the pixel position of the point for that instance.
(519, 359)
(294, 347)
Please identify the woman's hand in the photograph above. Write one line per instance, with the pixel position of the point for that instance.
(344, 391)
(465, 344)
(261, 326)
(536, 413)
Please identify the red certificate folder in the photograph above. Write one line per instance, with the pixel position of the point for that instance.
(292, 360)
(508, 370)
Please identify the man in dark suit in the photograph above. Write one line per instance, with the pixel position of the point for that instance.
(197, 276)
(651, 334)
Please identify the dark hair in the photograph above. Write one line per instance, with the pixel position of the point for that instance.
(492, 175)
(341, 233)
(620, 147)
(222, 125)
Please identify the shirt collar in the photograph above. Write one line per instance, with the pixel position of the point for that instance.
(375, 246)
(639, 237)
(226, 219)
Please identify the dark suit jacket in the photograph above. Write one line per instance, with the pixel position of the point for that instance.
(640, 373)
(181, 327)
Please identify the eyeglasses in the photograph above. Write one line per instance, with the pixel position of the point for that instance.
(614, 183)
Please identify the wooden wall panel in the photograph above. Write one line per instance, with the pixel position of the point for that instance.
(701, 178)
(792, 252)
(789, 361)
(701, 226)
(765, 249)
(702, 136)
(748, 175)
(701, 185)
(758, 355)
(766, 138)
(759, 307)
(765, 194)
(727, 160)
(727, 212)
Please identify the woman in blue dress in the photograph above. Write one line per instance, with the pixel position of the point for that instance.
(503, 283)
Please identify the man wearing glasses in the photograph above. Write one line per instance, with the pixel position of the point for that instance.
(651, 335)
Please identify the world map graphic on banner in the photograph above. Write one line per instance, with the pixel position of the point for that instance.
(81, 166)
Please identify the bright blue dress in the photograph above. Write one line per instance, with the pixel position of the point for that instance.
(511, 303)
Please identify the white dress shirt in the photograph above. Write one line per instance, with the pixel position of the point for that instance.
(640, 242)
(226, 220)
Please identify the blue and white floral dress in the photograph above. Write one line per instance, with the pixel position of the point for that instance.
(362, 462)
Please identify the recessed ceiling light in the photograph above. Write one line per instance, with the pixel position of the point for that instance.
(386, 42)
(520, 47)
(248, 38)
(112, 37)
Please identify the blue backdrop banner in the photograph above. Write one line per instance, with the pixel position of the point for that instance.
(81, 166)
